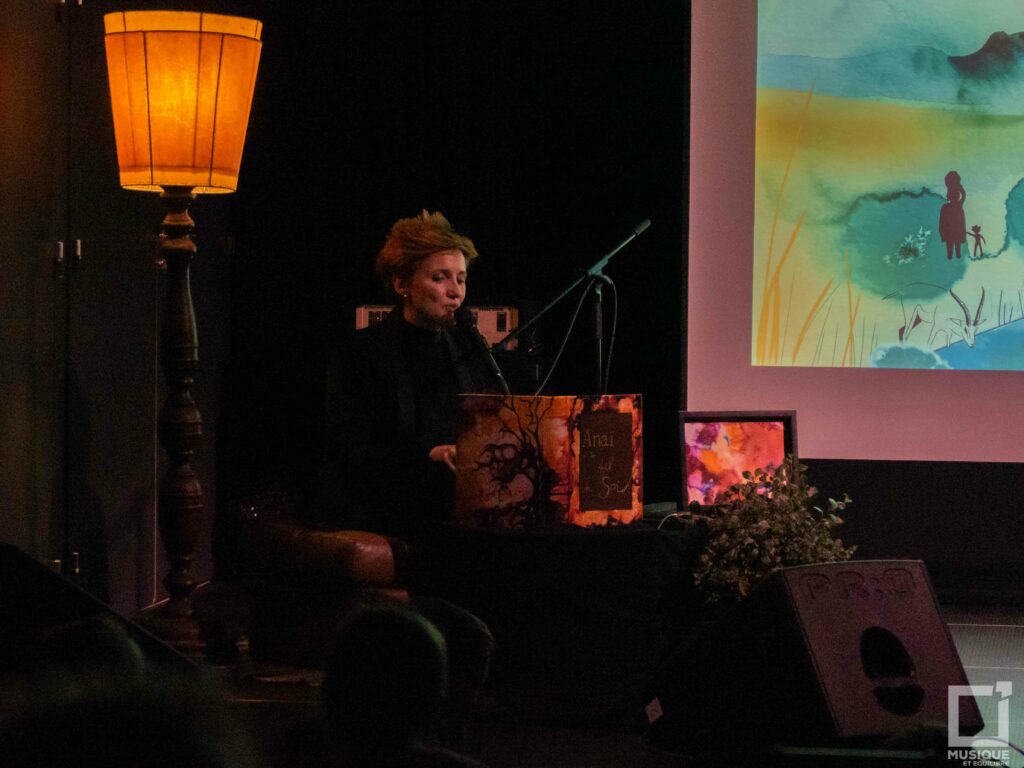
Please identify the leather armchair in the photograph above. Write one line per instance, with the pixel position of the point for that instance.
(302, 582)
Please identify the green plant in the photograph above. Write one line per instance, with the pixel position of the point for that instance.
(764, 524)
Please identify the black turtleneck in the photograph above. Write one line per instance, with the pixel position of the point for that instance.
(431, 368)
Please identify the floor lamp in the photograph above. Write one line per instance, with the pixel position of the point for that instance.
(181, 87)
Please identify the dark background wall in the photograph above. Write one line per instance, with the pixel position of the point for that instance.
(545, 131)
(962, 518)
(32, 186)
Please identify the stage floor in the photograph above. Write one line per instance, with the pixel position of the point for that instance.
(989, 640)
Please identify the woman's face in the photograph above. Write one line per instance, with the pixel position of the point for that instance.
(436, 289)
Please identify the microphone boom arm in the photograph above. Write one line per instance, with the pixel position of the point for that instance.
(594, 272)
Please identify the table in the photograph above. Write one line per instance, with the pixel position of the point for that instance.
(582, 617)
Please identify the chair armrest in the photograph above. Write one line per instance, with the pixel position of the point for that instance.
(283, 547)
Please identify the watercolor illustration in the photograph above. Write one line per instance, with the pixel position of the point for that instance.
(717, 450)
(889, 186)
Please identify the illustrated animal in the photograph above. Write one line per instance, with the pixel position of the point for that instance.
(951, 327)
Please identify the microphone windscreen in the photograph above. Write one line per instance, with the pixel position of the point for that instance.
(464, 316)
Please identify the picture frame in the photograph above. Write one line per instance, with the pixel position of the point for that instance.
(717, 447)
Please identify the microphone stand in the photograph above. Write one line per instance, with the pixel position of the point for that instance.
(597, 277)
(599, 332)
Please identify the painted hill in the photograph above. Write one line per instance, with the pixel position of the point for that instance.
(999, 57)
(991, 79)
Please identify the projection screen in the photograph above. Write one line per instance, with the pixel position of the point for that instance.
(856, 242)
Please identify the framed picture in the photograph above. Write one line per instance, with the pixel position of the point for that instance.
(717, 447)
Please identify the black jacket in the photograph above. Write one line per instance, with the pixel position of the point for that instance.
(392, 398)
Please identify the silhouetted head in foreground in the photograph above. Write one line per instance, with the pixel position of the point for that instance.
(384, 681)
(158, 724)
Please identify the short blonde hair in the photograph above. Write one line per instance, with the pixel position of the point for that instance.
(412, 240)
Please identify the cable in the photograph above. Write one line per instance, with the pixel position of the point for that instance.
(565, 340)
(681, 516)
(615, 323)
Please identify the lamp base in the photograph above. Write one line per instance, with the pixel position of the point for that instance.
(217, 630)
(180, 429)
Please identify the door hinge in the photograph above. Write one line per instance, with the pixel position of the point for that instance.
(59, 263)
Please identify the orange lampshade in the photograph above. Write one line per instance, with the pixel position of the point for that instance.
(181, 86)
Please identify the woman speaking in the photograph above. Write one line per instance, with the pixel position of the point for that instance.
(390, 444)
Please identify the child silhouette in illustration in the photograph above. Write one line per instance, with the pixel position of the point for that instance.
(978, 240)
(952, 222)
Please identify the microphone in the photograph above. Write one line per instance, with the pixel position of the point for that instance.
(465, 320)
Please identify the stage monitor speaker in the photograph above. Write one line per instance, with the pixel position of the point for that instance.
(46, 622)
(837, 653)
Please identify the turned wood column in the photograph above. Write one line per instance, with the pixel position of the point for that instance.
(180, 424)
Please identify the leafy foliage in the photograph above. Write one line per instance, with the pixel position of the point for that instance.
(763, 525)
